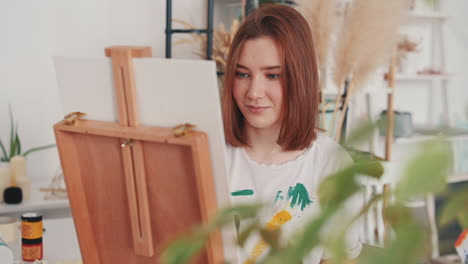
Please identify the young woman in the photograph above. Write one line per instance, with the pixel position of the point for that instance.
(270, 110)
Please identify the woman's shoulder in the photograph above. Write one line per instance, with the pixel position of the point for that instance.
(232, 152)
(230, 149)
(329, 150)
(324, 143)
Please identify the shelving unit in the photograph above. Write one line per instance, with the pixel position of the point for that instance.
(331, 94)
(422, 138)
(435, 89)
(434, 21)
(208, 31)
(425, 16)
(48, 208)
(423, 77)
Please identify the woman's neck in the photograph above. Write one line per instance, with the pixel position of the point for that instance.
(263, 141)
(264, 148)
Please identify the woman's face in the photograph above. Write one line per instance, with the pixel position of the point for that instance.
(257, 84)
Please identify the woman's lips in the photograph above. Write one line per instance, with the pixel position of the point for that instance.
(257, 109)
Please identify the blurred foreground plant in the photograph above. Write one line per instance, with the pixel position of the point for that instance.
(425, 173)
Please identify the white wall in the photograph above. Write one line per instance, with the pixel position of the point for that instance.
(457, 56)
(31, 32)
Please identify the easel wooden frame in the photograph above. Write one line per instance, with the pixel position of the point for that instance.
(133, 155)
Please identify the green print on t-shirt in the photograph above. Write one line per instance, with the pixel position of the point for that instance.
(246, 192)
(299, 196)
(279, 196)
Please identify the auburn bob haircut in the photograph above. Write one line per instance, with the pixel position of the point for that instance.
(299, 76)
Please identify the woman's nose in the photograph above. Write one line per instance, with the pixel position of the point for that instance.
(256, 89)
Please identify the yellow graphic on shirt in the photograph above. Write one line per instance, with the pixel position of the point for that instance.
(276, 222)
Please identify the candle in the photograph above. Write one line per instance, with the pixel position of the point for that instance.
(18, 170)
(5, 180)
(18, 167)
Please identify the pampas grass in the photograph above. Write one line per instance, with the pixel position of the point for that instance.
(369, 33)
(222, 40)
(320, 14)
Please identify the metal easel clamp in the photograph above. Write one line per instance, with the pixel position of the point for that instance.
(73, 117)
(128, 142)
(183, 129)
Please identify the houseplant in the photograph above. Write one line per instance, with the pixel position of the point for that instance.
(406, 241)
(407, 55)
(14, 145)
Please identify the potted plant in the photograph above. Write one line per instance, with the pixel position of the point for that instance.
(13, 148)
(407, 56)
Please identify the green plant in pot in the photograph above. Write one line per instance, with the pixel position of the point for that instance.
(14, 185)
(15, 144)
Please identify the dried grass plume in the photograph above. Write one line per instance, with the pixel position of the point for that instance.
(222, 40)
(320, 14)
(368, 34)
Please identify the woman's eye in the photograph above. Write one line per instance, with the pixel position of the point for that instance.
(273, 76)
(242, 75)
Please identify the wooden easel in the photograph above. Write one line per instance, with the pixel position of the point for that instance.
(133, 188)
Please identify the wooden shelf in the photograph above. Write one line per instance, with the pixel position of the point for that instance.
(422, 77)
(458, 177)
(427, 16)
(420, 138)
(37, 203)
(331, 94)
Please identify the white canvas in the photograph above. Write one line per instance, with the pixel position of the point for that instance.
(169, 92)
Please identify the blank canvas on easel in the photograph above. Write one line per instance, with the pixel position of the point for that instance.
(169, 92)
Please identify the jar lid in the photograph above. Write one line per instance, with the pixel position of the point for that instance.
(31, 217)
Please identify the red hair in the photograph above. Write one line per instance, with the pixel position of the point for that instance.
(291, 32)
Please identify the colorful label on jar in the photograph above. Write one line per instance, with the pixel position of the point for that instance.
(31, 230)
(31, 252)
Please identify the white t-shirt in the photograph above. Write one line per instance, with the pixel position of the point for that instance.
(290, 188)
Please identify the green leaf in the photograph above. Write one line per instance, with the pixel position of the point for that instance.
(374, 169)
(302, 241)
(357, 155)
(427, 172)
(17, 143)
(12, 134)
(343, 184)
(247, 232)
(337, 247)
(226, 215)
(182, 251)
(362, 132)
(13, 147)
(338, 187)
(37, 149)
(271, 237)
(406, 248)
(397, 215)
(456, 208)
(5, 155)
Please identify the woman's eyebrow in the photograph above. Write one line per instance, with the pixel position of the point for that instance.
(263, 68)
(241, 66)
(270, 67)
